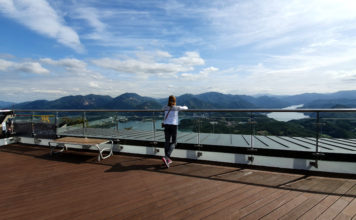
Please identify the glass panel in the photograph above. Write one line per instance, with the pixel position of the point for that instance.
(101, 124)
(337, 133)
(226, 129)
(70, 124)
(44, 125)
(23, 124)
(137, 125)
(220, 129)
(190, 127)
(285, 131)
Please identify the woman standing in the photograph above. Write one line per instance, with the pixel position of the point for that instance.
(170, 128)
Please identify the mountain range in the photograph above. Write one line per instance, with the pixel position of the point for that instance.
(209, 100)
(5, 104)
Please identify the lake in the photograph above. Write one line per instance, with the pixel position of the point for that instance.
(288, 116)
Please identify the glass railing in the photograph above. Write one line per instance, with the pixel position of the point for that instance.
(337, 132)
(310, 131)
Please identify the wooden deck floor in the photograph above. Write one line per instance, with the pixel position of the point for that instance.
(74, 186)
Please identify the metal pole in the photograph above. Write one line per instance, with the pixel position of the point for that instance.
(56, 121)
(316, 154)
(231, 139)
(84, 125)
(116, 123)
(154, 128)
(32, 124)
(317, 132)
(198, 131)
(251, 127)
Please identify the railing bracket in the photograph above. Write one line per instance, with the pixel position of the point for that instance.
(37, 140)
(314, 163)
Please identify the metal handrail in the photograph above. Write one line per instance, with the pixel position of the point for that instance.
(189, 110)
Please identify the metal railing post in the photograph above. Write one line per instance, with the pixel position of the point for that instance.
(56, 122)
(116, 123)
(32, 124)
(84, 124)
(199, 131)
(154, 128)
(231, 138)
(317, 136)
(252, 129)
(317, 132)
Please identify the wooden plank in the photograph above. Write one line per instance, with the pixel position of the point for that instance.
(262, 201)
(206, 207)
(217, 207)
(348, 212)
(83, 141)
(268, 208)
(229, 210)
(287, 207)
(337, 206)
(34, 186)
(297, 211)
(176, 206)
(314, 210)
(277, 203)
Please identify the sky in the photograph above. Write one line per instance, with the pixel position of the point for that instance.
(50, 49)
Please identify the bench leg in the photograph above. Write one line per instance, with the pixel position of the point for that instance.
(52, 148)
(100, 156)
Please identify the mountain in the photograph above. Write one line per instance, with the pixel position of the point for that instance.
(193, 102)
(68, 102)
(318, 100)
(133, 101)
(219, 100)
(124, 101)
(6, 104)
(332, 103)
(268, 102)
(209, 100)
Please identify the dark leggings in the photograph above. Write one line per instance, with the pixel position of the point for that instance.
(170, 133)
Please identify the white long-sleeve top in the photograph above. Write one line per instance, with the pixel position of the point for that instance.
(3, 125)
(172, 118)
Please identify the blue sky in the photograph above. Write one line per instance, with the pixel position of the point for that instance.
(51, 49)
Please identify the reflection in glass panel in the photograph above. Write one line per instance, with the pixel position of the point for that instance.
(337, 132)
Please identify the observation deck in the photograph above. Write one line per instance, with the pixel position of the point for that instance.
(229, 164)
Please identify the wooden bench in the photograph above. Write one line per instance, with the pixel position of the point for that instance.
(67, 142)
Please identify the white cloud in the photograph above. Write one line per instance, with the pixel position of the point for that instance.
(32, 67)
(4, 64)
(190, 59)
(70, 63)
(94, 84)
(40, 17)
(72, 67)
(163, 54)
(91, 16)
(49, 91)
(27, 67)
(147, 65)
(259, 22)
(205, 73)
